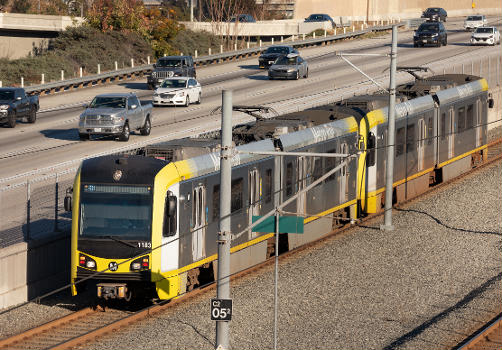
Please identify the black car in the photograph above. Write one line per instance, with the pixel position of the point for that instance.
(435, 14)
(320, 17)
(243, 19)
(433, 33)
(272, 53)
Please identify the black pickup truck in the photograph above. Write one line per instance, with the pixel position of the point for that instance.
(15, 104)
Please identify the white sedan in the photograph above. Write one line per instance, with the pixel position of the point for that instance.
(485, 36)
(177, 91)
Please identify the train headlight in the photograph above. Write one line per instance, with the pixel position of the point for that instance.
(87, 262)
(142, 263)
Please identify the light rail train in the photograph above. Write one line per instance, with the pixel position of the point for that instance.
(147, 224)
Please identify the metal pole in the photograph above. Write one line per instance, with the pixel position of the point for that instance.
(56, 204)
(390, 136)
(28, 209)
(277, 202)
(191, 10)
(224, 236)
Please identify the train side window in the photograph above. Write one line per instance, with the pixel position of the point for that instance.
(216, 202)
(469, 117)
(267, 186)
(461, 119)
(317, 172)
(443, 126)
(400, 142)
(289, 179)
(430, 131)
(170, 214)
(410, 138)
(330, 164)
(236, 201)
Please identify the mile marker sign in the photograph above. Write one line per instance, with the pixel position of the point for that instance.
(221, 309)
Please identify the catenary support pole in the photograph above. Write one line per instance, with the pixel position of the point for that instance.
(391, 136)
(277, 202)
(224, 236)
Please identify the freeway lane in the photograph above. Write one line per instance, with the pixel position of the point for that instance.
(53, 139)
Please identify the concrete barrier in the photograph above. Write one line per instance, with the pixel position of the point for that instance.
(31, 269)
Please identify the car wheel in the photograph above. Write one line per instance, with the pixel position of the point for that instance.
(199, 100)
(187, 101)
(415, 44)
(147, 127)
(33, 115)
(11, 120)
(306, 74)
(124, 136)
(270, 78)
(438, 44)
(297, 75)
(84, 137)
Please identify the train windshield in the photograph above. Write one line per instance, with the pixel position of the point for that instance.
(123, 212)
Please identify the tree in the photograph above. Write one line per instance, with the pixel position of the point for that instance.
(21, 6)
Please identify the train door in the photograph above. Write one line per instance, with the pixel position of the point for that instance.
(254, 195)
(343, 176)
(422, 135)
(301, 175)
(479, 120)
(451, 132)
(199, 222)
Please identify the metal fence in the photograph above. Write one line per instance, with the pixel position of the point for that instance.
(35, 209)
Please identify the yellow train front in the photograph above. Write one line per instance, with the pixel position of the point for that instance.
(121, 208)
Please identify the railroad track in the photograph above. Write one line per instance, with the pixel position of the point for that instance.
(489, 337)
(86, 325)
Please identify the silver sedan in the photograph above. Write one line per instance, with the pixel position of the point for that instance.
(291, 66)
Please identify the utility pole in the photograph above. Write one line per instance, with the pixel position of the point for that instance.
(224, 235)
(191, 10)
(387, 226)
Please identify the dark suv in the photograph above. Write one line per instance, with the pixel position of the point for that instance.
(171, 66)
(245, 18)
(435, 14)
(432, 33)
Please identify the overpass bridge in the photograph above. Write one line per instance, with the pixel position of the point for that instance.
(21, 34)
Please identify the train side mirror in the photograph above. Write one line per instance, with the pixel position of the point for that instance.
(170, 213)
(491, 103)
(68, 198)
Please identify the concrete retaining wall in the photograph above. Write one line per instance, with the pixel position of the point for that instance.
(28, 270)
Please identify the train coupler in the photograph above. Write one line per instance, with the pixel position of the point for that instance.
(113, 291)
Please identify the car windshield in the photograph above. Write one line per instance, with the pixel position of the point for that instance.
(174, 83)
(429, 27)
(432, 10)
(108, 102)
(277, 49)
(169, 63)
(287, 61)
(484, 30)
(6, 95)
(474, 18)
(124, 212)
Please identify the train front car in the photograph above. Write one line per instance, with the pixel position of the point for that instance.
(122, 208)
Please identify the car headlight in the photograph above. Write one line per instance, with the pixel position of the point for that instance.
(181, 93)
(434, 35)
(4, 107)
(118, 118)
(291, 70)
(156, 94)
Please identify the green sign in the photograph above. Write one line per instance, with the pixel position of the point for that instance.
(287, 224)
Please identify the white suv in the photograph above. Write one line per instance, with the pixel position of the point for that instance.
(473, 22)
